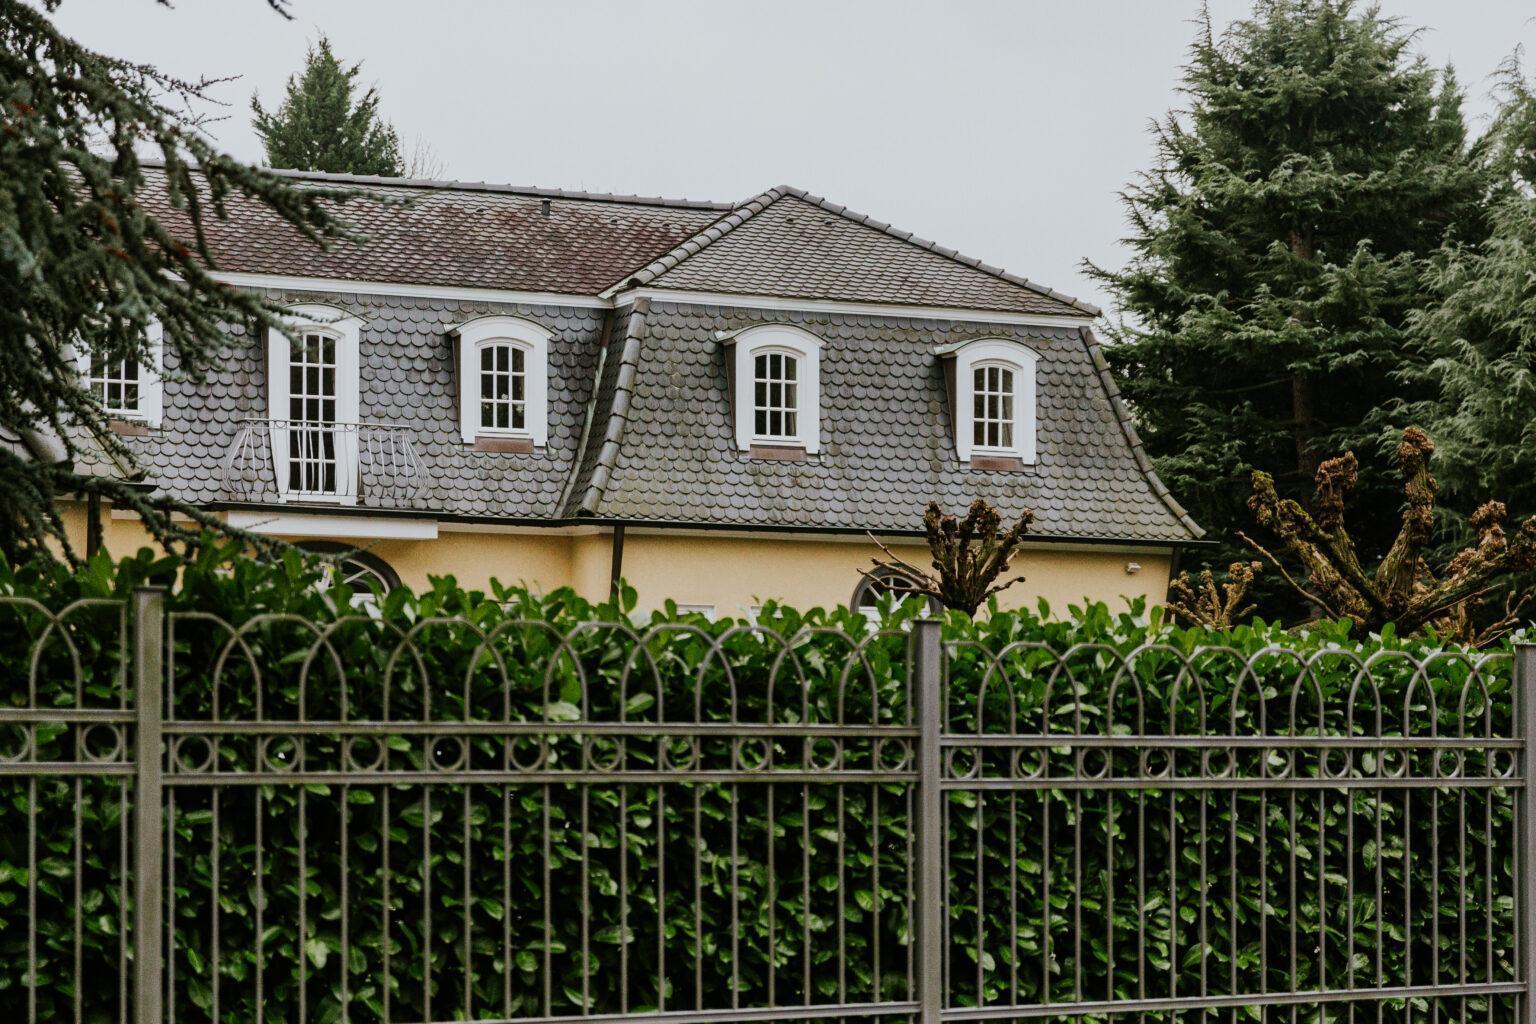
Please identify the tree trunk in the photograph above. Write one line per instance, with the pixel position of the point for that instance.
(1304, 424)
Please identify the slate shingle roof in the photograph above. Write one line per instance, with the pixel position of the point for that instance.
(406, 377)
(474, 236)
(640, 422)
(788, 243)
(886, 430)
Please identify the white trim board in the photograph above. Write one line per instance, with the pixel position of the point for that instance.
(299, 524)
(422, 291)
(291, 282)
(773, 302)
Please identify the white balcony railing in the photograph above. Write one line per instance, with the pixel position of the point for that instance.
(333, 463)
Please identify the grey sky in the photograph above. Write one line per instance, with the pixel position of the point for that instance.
(1001, 129)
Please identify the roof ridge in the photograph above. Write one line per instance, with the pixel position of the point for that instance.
(933, 247)
(448, 185)
(699, 240)
(1128, 428)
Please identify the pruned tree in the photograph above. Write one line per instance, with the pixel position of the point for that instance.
(1402, 590)
(969, 556)
(95, 245)
(1202, 602)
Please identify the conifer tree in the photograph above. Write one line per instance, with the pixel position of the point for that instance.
(95, 245)
(322, 126)
(1276, 245)
(1477, 338)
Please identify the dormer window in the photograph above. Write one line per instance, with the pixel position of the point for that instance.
(994, 414)
(776, 389)
(313, 386)
(993, 384)
(127, 388)
(775, 398)
(503, 381)
(503, 387)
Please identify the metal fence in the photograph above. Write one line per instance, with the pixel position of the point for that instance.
(279, 821)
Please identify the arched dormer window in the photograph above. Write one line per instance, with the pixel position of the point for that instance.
(503, 380)
(994, 400)
(776, 377)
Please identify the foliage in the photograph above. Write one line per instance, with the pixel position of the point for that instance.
(322, 126)
(782, 891)
(969, 556)
(1276, 243)
(1476, 338)
(95, 245)
(1203, 604)
(1403, 590)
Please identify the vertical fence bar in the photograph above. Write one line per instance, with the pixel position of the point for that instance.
(1525, 711)
(148, 668)
(927, 692)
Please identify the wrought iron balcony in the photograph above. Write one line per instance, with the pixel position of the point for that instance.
(321, 462)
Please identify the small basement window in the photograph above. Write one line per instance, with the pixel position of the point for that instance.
(885, 580)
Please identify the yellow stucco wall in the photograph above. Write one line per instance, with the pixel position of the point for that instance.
(728, 573)
(734, 573)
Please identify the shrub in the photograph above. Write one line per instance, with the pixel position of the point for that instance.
(761, 892)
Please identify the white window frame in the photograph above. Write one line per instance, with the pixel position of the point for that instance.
(805, 348)
(151, 382)
(346, 331)
(480, 332)
(1023, 362)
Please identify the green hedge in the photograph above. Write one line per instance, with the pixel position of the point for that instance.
(840, 895)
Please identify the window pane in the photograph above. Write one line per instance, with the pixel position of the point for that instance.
(760, 422)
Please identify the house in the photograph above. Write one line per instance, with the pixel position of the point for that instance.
(716, 401)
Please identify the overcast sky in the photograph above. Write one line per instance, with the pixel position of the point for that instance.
(1001, 129)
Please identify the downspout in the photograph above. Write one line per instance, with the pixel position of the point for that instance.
(616, 571)
(92, 524)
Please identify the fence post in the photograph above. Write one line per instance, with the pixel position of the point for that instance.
(148, 850)
(927, 695)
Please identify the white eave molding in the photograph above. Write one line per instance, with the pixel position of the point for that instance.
(617, 297)
(299, 524)
(289, 282)
(779, 304)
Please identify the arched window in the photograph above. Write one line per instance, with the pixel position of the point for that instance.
(884, 580)
(362, 571)
(503, 386)
(994, 419)
(994, 400)
(503, 379)
(775, 396)
(777, 390)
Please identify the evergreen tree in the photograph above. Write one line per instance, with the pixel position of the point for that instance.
(1477, 340)
(93, 248)
(1277, 243)
(320, 126)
